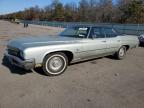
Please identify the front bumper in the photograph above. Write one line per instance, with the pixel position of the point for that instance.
(26, 64)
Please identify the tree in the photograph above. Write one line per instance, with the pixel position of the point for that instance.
(47, 13)
(58, 14)
(123, 2)
(133, 12)
(83, 10)
(92, 10)
(32, 13)
(68, 12)
(101, 11)
(106, 7)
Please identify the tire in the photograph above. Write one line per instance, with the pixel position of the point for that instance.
(55, 64)
(121, 53)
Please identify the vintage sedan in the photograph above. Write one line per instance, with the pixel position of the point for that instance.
(74, 44)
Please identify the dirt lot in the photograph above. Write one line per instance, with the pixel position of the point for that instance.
(101, 83)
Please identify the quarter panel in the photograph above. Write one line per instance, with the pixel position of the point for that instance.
(113, 44)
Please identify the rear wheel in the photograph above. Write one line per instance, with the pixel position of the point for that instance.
(55, 64)
(121, 53)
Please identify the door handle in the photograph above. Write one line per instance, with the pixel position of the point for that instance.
(118, 40)
(103, 41)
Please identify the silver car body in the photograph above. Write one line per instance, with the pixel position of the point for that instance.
(33, 50)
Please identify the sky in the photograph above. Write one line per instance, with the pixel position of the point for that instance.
(9, 6)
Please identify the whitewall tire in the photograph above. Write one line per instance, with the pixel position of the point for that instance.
(55, 64)
(121, 53)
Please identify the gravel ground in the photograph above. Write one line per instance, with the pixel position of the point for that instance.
(100, 83)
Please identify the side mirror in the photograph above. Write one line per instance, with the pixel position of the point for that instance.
(94, 36)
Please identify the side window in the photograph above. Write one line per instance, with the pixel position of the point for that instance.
(109, 32)
(97, 33)
(82, 31)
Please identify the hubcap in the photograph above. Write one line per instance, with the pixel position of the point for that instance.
(55, 63)
(122, 52)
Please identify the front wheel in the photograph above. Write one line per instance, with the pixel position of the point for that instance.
(55, 64)
(121, 53)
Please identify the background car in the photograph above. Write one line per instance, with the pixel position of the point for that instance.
(141, 39)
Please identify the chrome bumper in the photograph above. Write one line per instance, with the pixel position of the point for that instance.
(26, 64)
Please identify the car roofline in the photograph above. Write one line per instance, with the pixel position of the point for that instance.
(90, 26)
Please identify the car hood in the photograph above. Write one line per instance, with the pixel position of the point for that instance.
(22, 43)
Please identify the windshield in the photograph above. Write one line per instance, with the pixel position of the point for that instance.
(76, 32)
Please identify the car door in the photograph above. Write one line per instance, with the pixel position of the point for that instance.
(95, 44)
(112, 40)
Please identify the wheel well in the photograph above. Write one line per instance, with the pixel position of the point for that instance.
(67, 53)
(127, 47)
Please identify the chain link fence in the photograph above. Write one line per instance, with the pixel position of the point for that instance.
(133, 29)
